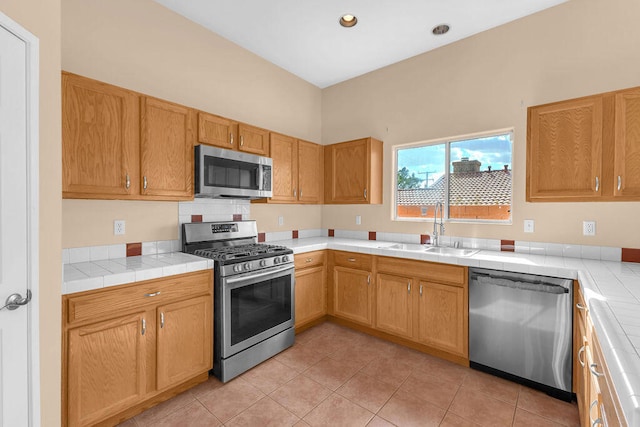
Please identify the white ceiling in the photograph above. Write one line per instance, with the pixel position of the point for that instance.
(304, 37)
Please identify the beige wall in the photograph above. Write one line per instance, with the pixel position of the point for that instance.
(143, 46)
(486, 82)
(42, 18)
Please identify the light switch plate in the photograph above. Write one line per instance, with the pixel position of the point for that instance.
(529, 225)
(280, 220)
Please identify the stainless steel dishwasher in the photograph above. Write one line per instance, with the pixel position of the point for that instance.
(520, 328)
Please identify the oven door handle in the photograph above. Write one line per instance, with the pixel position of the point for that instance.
(254, 277)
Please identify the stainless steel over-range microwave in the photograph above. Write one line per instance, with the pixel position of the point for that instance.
(221, 173)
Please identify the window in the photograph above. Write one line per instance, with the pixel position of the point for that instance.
(470, 176)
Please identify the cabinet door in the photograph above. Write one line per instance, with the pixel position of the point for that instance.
(311, 295)
(106, 367)
(394, 305)
(185, 340)
(352, 296)
(218, 131)
(348, 172)
(100, 139)
(284, 152)
(166, 150)
(564, 150)
(442, 317)
(310, 172)
(253, 140)
(627, 144)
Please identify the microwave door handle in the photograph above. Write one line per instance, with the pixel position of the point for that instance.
(260, 177)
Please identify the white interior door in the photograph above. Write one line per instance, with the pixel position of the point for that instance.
(15, 228)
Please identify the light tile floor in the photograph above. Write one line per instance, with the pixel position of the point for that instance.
(334, 376)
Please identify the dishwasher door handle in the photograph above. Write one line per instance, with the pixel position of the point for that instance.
(520, 284)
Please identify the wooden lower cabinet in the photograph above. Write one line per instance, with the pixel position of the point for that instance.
(352, 295)
(394, 312)
(106, 368)
(310, 288)
(442, 317)
(134, 346)
(184, 334)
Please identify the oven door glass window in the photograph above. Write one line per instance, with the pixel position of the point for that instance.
(259, 307)
(229, 173)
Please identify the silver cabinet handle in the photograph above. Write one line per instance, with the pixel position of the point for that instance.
(295, 193)
(597, 421)
(153, 294)
(241, 140)
(144, 182)
(161, 320)
(351, 260)
(619, 182)
(580, 306)
(300, 193)
(580, 352)
(231, 139)
(365, 193)
(308, 260)
(127, 182)
(409, 287)
(144, 327)
(597, 183)
(592, 368)
(368, 280)
(420, 290)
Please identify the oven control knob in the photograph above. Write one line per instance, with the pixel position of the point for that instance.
(285, 258)
(247, 266)
(276, 260)
(237, 268)
(263, 263)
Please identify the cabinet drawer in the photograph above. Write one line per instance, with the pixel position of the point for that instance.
(432, 271)
(103, 303)
(610, 407)
(310, 259)
(352, 260)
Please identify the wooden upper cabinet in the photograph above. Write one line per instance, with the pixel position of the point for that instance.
(166, 149)
(218, 131)
(253, 140)
(284, 153)
(564, 150)
(310, 172)
(297, 170)
(353, 172)
(627, 148)
(585, 149)
(100, 139)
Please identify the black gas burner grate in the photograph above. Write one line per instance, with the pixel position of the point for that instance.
(240, 252)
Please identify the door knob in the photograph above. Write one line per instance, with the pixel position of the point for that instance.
(16, 300)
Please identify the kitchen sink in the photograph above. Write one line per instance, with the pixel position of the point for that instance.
(442, 250)
(438, 250)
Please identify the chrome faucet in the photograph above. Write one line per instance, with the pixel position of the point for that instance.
(437, 233)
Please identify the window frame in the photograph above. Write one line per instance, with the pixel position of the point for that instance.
(447, 141)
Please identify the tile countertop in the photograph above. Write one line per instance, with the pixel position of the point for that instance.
(611, 290)
(90, 275)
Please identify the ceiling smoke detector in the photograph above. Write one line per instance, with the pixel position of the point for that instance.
(441, 29)
(348, 20)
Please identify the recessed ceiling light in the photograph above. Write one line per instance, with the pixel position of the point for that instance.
(348, 20)
(441, 29)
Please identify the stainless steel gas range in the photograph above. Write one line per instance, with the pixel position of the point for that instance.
(253, 293)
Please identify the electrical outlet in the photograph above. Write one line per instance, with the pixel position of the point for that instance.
(529, 225)
(589, 228)
(118, 227)
(358, 219)
(280, 220)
